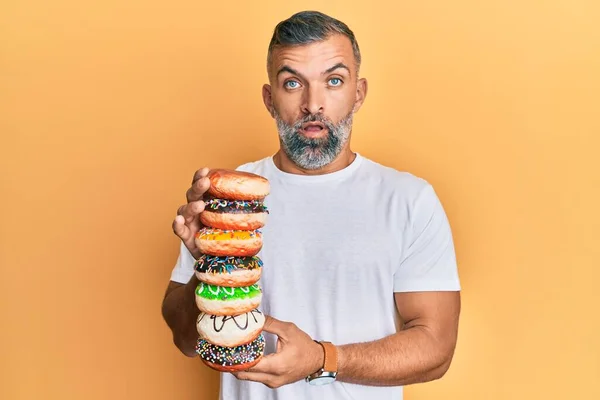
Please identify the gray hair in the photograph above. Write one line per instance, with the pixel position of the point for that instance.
(310, 26)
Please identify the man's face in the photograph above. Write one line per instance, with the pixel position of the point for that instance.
(313, 95)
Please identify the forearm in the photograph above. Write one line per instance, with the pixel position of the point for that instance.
(410, 356)
(180, 312)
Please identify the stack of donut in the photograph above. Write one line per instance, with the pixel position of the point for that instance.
(228, 296)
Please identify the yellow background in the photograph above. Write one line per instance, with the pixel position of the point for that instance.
(107, 109)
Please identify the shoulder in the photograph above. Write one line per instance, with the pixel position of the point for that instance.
(414, 200)
(255, 167)
(394, 182)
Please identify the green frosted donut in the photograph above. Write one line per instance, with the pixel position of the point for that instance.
(213, 292)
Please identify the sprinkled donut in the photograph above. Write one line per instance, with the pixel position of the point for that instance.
(228, 271)
(234, 214)
(230, 359)
(234, 243)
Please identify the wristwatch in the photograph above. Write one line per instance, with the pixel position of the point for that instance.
(328, 373)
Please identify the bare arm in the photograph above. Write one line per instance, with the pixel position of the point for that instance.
(180, 313)
(422, 351)
(179, 306)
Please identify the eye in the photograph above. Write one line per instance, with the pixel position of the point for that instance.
(335, 81)
(291, 84)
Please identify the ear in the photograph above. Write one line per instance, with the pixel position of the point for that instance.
(361, 93)
(267, 99)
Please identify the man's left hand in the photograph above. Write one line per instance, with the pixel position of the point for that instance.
(297, 356)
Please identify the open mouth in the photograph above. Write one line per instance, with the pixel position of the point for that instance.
(313, 128)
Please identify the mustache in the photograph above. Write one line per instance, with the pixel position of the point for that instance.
(314, 118)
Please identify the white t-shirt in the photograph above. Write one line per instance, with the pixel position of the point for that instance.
(335, 249)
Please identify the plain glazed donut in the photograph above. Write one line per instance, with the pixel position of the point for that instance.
(238, 243)
(231, 359)
(230, 330)
(221, 300)
(228, 271)
(237, 185)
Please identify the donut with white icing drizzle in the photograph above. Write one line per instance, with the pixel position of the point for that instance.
(230, 330)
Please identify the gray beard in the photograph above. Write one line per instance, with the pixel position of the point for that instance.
(313, 153)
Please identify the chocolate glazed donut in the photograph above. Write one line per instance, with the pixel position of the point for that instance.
(231, 359)
(228, 271)
(234, 214)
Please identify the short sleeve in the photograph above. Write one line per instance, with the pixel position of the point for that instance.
(184, 267)
(428, 259)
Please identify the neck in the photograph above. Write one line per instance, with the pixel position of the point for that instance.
(283, 162)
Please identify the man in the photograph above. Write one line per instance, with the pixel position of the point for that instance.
(355, 253)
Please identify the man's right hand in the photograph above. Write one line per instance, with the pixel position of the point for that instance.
(187, 222)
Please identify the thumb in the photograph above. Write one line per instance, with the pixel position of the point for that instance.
(280, 328)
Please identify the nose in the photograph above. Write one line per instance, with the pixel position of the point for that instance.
(313, 101)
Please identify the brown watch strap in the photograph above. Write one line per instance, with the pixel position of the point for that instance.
(330, 364)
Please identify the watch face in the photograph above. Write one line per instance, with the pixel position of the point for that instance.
(322, 380)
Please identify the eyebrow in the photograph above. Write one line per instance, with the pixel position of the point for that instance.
(337, 66)
(285, 68)
(292, 71)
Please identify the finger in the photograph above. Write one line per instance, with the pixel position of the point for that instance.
(280, 328)
(202, 172)
(263, 378)
(197, 190)
(191, 210)
(186, 235)
(180, 229)
(268, 364)
(195, 225)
